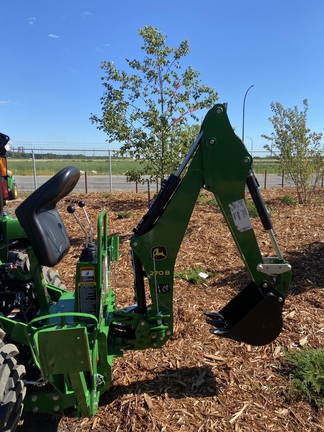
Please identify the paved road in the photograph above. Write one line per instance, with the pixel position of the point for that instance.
(91, 184)
(118, 183)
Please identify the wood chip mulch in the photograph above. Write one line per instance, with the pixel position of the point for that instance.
(198, 382)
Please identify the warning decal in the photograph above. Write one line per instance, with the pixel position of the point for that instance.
(240, 215)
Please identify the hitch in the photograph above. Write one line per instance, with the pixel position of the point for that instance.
(253, 316)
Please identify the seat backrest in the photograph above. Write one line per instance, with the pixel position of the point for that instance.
(42, 222)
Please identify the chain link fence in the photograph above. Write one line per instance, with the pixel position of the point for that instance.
(101, 170)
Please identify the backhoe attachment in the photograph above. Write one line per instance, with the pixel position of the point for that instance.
(218, 162)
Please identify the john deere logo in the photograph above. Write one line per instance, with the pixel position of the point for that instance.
(159, 253)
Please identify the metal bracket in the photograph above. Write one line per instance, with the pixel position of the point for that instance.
(272, 268)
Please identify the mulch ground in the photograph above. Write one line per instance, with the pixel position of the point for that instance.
(198, 382)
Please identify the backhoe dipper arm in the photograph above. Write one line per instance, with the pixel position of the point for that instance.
(219, 162)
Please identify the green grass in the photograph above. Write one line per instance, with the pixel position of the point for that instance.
(262, 165)
(194, 275)
(253, 212)
(93, 166)
(289, 200)
(124, 215)
(307, 374)
(207, 198)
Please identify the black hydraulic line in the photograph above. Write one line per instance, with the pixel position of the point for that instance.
(252, 185)
(155, 211)
(139, 284)
(168, 188)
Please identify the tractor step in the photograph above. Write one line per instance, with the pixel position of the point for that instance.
(253, 316)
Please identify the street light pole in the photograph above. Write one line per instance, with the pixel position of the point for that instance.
(244, 110)
(251, 145)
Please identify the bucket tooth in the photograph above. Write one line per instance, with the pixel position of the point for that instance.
(215, 319)
(222, 331)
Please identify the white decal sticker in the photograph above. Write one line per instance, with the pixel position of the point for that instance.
(240, 215)
(87, 274)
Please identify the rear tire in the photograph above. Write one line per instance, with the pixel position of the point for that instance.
(12, 387)
(13, 193)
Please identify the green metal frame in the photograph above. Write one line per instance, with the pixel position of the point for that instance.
(68, 346)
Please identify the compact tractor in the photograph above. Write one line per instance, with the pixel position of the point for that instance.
(56, 346)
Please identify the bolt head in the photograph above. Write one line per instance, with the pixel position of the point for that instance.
(212, 141)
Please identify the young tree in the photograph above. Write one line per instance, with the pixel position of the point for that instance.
(147, 108)
(296, 147)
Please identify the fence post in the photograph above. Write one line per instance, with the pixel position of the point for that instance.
(110, 173)
(283, 178)
(265, 179)
(86, 181)
(34, 169)
(148, 193)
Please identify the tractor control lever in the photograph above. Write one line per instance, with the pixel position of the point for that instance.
(81, 204)
(89, 250)
(71, 210)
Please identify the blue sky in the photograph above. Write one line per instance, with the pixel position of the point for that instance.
(51, 52)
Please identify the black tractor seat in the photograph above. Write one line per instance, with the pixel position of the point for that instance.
(42, 222)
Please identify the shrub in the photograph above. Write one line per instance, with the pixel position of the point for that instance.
(194, 275)
(124, 215)
(307, 374)
(289, 200)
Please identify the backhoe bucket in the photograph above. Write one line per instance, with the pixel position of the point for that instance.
(254, 316)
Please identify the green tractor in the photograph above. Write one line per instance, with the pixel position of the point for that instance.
(8, 182)
(57, 347)
(12, 186)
